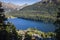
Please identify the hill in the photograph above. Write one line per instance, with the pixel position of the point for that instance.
(12, 7)
(9, 6)
(45, 11)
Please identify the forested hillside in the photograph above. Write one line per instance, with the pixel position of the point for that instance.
(45, 11)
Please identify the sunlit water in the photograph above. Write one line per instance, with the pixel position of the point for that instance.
(23, 24)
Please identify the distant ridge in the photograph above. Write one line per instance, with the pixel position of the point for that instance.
(11, 7)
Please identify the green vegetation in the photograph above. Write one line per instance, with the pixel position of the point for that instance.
(34, 32)
(7, 30)
(45, 35)
(46, 12)
(57, 24)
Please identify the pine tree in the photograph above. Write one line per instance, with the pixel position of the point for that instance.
(57, 23)
(7, 31)
(3, 32)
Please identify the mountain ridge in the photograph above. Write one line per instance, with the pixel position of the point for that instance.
(46, 11)
(11, 6)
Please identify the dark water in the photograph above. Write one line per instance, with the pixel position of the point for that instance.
(23, 24)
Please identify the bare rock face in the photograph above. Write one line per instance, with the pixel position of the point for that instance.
(9, 5)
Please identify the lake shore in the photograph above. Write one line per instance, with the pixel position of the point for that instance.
(33, 32)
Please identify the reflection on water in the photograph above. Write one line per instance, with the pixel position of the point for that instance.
(23, 24)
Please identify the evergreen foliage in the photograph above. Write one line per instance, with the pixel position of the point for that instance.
(7, 31)
(57, 23)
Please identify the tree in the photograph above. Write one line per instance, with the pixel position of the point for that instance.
(27, 36)
(57, 23)
(3, 32)
(7, 31)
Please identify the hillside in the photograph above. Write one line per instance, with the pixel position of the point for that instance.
(12, 7)
(46, 11)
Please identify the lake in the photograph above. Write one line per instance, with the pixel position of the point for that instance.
(23, 24)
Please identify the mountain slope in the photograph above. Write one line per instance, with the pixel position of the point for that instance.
(46, 11)
(9, 6)
(40, 7)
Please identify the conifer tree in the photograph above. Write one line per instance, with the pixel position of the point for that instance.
(7, 31)
(57, 23)
(3, 32)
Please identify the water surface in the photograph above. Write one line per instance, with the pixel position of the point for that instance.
(23, 24)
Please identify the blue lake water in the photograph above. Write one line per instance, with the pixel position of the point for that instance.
(23, 24)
